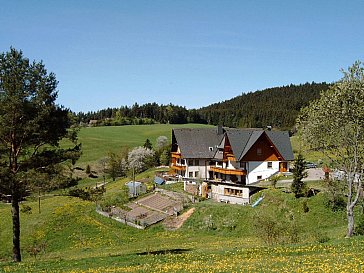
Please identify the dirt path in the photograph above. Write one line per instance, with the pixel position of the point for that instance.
(174, 223)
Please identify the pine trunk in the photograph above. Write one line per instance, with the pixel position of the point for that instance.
(16, 227)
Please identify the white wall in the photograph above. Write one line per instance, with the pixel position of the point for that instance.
(259, 168)
(218, 193)
(202, 169)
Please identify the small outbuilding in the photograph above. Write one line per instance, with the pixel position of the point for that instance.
(159, 180)
(136, 188)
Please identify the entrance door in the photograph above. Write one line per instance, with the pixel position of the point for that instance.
(283, 167)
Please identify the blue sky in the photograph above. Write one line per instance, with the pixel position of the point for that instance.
(191, 53)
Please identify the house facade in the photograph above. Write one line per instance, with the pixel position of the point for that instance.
(225, 164)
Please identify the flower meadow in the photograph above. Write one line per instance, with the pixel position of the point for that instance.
(342, 256)
(77, 239)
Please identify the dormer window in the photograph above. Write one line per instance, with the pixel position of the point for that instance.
(211, 149)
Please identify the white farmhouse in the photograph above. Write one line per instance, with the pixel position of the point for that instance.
(225, 164)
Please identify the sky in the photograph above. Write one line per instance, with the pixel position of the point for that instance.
(111, 53)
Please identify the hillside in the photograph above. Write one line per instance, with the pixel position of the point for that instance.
(98, 141)
(280, 235)
(278, 107)
(216, 238)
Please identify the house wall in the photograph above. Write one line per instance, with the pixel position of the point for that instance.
(258, 170)
(266, 151)
(200, 171)
(218, 192)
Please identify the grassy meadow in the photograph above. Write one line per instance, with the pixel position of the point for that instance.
(216, 238)
(282, 234)
(98, 141)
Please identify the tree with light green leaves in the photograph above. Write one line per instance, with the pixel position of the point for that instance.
(334, 124)
(31, 126)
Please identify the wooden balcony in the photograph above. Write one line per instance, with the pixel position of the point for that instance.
(176, 155)
(228, 171)
(178, 167)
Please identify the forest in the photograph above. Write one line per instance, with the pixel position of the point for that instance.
(277, 107)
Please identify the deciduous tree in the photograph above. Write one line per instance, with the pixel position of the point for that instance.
(31, 126)
(334, 124)
(140, 159)
(162, 141)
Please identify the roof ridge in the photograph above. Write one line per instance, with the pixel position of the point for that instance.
(250, 136)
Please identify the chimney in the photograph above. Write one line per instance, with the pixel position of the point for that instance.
(219, 130)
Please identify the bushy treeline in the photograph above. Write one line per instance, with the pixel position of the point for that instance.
(278, 107)
(148, 113)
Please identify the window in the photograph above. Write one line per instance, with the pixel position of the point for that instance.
(190, 162)
(243, 165)
(196, 174)
(183, 161)
(197, 162)
(190, 174)
(259, 177)
(259, 151)
(269, 165)
(211, 149)
(233, 192)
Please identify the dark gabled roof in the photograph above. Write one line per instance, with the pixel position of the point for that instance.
(197, 142)
(241, 141)
(281, 141)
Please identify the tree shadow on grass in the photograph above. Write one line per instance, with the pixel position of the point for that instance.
(165, 251)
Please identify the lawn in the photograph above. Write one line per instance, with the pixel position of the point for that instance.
(309, 155)
(77, 239)
(216, 238)
(97, 142)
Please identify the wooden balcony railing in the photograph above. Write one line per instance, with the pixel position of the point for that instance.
(176, 155)
(228, 171)
(178, 167)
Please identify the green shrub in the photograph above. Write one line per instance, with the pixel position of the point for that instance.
(359, 229)
(320, 236)
(89, 194)
(305, 207)
(26, 209)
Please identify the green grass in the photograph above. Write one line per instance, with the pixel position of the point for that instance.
(80, 240)
(216, 238)
(98, 141)
(309, 155)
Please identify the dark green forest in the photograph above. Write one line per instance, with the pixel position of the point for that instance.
(277, 107)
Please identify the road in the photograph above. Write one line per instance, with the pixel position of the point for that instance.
(312, 175)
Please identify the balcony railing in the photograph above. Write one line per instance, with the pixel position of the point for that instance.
(228, 171)
(176, 155)
(178, 167)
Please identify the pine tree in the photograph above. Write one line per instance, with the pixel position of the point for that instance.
(298, 186)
